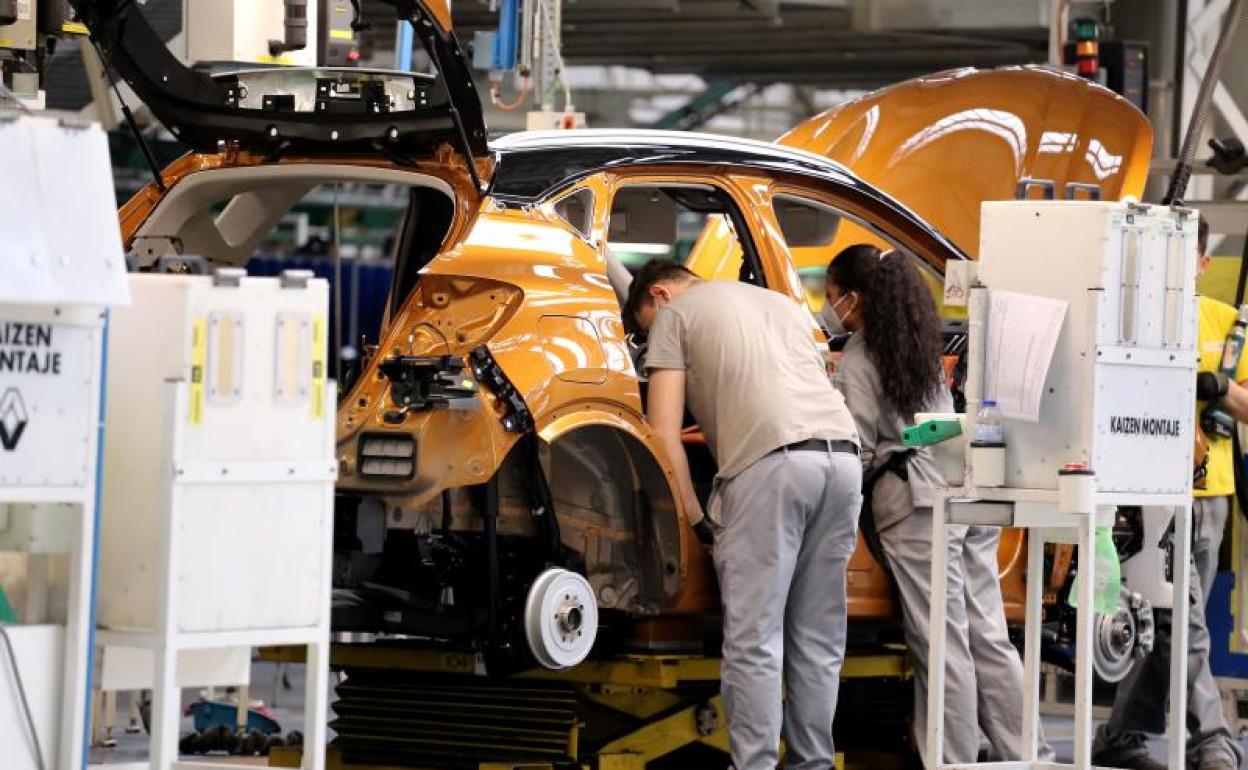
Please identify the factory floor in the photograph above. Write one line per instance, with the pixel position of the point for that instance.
(132, 747)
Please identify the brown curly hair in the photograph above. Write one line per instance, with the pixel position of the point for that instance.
(900, 325)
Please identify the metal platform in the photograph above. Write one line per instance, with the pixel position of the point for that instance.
(403, 709)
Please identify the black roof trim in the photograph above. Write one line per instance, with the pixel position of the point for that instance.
(533, 165)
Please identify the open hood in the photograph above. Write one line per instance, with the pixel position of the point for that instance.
(306, 111)
(945, 143)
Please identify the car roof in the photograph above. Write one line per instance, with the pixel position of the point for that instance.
(532, 165)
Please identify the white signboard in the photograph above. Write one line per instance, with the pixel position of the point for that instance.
(47, 379)
(1144, 421)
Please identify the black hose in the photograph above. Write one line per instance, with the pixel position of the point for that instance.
(490, 525)
(544, 503)
(1204, 98)
(446, 512)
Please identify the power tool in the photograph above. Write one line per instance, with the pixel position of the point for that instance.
(1215, 421)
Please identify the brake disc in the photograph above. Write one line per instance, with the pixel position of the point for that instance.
(1122, 637)
(560, 618)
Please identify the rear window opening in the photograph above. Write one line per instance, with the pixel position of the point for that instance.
(367, 231)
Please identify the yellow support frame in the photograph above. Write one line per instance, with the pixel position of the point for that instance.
(661, 671)
(641, 686)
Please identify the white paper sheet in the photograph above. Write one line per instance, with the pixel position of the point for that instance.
(1022, 335)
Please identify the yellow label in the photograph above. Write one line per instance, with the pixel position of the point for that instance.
(318, 367)
(199, 356)
(74, 28)
(341, 34)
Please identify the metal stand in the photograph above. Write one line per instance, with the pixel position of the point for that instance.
(45, 512)
(217, 523)
(174, 657)
(63, 271)
(1037, 512)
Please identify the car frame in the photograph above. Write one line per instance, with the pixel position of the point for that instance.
(497, 428)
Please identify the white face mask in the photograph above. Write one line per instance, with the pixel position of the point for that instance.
(831, 321)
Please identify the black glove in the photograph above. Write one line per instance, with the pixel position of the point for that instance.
(704, 532)
(1212, 386)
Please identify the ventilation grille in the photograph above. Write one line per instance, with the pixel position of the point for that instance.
(387, 455)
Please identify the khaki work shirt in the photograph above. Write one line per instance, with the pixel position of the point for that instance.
(754, 378)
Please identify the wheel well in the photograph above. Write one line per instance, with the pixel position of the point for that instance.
(615, 508)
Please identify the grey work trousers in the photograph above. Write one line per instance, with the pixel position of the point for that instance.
(983, 671)
(788, 525)
(1140, 703)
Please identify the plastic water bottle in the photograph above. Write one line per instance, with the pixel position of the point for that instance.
(989, 429)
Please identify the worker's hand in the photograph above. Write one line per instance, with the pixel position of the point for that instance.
(704, 532)
(1212, 386)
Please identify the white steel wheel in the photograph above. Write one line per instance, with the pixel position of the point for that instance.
(560, 618)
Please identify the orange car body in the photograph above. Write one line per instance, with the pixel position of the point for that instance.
(514, 302)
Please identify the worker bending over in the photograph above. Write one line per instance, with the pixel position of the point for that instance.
(890, 370)
(1140, 703)
(784, 509)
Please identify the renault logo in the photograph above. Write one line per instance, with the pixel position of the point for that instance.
(13, 418)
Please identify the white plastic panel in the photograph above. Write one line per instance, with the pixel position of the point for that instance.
(58, 215)
(1127, 347)
(251, 555)
(240, 31)
(245, 476)
(42, 528)
(49, 374)
(1144, 434)
(131, 668)
(255, 426)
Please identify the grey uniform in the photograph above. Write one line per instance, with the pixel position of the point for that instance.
(984, 674)
(786, 519)
(1140, 702)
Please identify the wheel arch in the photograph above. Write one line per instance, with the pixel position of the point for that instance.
(605, 472)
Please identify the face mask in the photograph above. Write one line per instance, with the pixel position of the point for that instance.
(831, 321)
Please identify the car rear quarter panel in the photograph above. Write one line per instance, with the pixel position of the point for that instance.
(538, 296)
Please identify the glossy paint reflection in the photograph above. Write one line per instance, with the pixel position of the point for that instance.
(945, 143)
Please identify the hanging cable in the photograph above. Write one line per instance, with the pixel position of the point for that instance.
(21, 697)
(337, 282)
(1204, 99)
(550, 27)
(496, 96)
(148, 155)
